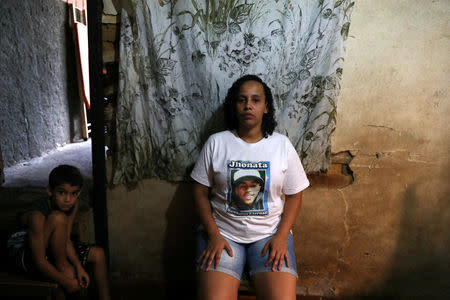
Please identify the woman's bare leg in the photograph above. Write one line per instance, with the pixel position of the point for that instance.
(275, 286)
(214, 285)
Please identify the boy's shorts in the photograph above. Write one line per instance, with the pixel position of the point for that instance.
(248, 256)
(20, 259)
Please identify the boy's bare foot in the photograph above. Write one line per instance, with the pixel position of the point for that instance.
(68, 271)
(72, 286)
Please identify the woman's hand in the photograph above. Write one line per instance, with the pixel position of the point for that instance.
(278, 243)
(216, 243)
(213, 251)
(277, 253)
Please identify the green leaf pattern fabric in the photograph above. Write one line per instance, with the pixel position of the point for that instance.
(178, 59)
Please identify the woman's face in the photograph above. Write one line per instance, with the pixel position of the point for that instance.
(251, 105)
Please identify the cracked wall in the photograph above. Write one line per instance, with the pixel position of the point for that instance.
(386, 233)
(39, 98)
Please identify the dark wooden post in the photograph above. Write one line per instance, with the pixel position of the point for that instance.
(94, 12)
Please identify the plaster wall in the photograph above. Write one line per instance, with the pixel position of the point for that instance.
(386, 234)
(40, 107)
(393, 116)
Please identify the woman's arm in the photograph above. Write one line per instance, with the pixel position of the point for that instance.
(216, 242)
(277, 244)
(83, 277)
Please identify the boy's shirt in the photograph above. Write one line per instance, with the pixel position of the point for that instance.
(42, 205)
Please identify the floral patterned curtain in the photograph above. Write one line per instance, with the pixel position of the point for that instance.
(178, 59)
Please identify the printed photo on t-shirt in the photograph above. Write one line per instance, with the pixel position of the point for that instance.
(248, 184)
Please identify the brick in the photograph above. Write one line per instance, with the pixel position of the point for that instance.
(110, 32)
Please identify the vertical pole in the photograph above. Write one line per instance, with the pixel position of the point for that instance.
(94, 15)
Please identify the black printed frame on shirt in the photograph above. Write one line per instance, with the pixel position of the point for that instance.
(248, 188)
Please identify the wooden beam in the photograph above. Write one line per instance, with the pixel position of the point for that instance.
(94, 14)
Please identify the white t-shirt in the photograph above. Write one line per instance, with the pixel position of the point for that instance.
(247, 181)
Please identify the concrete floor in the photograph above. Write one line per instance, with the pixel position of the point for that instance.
(34, 173)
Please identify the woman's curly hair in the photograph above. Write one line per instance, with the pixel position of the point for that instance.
(229, 107)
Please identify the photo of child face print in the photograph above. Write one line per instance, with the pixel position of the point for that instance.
(247, 189)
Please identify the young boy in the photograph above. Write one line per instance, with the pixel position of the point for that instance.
(46, 227)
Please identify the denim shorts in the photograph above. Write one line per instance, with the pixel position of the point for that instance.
(248, 256)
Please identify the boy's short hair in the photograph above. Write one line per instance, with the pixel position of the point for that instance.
(65, 174)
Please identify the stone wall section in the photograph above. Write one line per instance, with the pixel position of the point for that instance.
(40, 106)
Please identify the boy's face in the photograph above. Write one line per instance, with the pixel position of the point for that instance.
(64, 196)
(248, 190)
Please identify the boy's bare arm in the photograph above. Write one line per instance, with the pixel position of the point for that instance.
(36, 222)
(83, 277)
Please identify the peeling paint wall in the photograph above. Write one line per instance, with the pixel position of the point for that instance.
(388, 233)
(38, 88)
(393, 116)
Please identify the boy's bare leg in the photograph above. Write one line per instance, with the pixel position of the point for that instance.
(98, 259)
(56, 240)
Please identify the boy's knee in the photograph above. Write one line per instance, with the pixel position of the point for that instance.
(57, 218)
(97, 254)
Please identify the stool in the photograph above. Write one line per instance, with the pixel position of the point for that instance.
(16, 285)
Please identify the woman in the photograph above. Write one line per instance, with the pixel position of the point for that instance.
(236, 236)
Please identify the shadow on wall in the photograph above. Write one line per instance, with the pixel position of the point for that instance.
(182, 223)
(421, 264)
(179, 245)
(213, 125)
